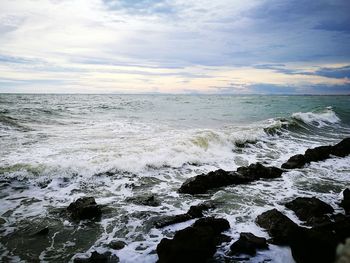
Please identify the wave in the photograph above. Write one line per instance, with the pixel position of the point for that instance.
(319, 119)
(12, 123)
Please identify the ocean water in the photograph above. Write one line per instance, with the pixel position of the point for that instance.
(57, 148)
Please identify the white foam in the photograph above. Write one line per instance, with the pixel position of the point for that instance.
(319, 119)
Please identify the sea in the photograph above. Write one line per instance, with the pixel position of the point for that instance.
(57, 148)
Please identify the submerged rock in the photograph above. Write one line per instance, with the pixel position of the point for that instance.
(96, 257)
(117, 244)
(41, 232)
(320, 153)
(307, 208)
(84, 208)
(193, 212)
(149, 200)
(194, 244)
(248, 244)
(200, 184)
(345, 203)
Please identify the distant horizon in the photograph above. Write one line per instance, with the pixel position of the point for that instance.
(181, 47)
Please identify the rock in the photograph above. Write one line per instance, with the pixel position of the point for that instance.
(193, 212)
(145, 200)
(342, 149)
(345, 203)
(320, 153)
(257, 171)
(41, 232)
(200, 184)
(311, 245)
(194, 244)
(306, 208)
(279, 226)
(343, 252)
(296, 161)
(2, 221)
(84, 208)
(248, 244)
(117, 244)
(95, 257)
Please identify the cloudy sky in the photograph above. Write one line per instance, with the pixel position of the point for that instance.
(175, 46)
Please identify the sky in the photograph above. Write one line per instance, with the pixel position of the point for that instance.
(178, 46)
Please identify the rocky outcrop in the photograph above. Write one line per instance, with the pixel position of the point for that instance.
(117, 244)
(96, 257)
(308, 208)
(194, 244)
(248, 244)
(149, 200)
(320, 153)
(345, 203)
(317, 244)
(193, 212)
(280, 227)
(200, 184)
(84, 208)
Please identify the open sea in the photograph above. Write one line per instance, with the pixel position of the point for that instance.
(57, 148)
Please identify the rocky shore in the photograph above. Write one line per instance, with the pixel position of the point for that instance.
(314, 240)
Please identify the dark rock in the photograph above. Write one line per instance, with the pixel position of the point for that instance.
(257, 171)
(204, 182)
(279, 226)
(311, 245)
(296, 161)
(306, 208)
(194, 244)
(41, 232)
(117, 244)
(84, 208)
(95, 257)
(194, 212)
(2, 221)
(145, 200)
(345, 203)
(248, 244)
(320, 153)
(342, 149)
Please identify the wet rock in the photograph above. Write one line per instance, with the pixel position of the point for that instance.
(2, 221)
(95, 257)
(343, 252)
(296, 161)
(320, 153)
(117, 244)
(248, 244)
(200, 184)
(342, 149)
(345, 203)
(307, 208)
(193, 212)
(150, 200)
(194, 244)
(84, 208)
(312, 245)
(41, 232)
(279, 226)
(258, 171)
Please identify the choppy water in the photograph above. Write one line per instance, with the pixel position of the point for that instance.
(56, 148)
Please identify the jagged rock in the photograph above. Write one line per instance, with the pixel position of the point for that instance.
(296, 161)
(194, 244)
(345, 203)
(41, 232)
(320, 153)
(117, 244)
(95, 257)
(204, 182)
(248, 244)
(193, 212)
(150, 200)
(279, 226)
(306, 208)
(84, 208)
